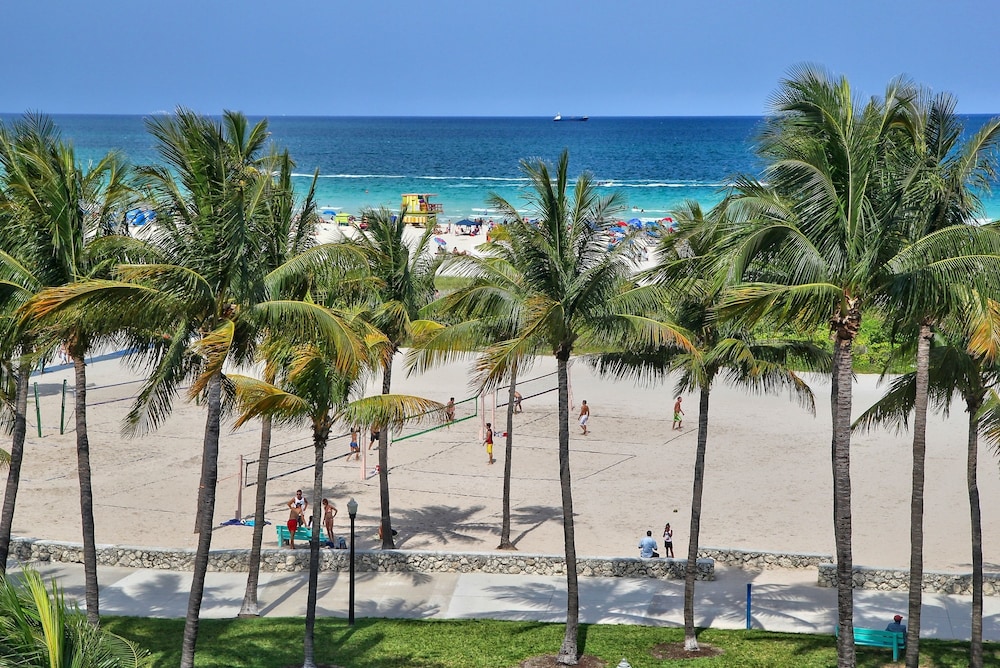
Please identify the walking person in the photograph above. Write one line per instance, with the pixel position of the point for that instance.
(517, 401)
(678, 413)
(488, 442)
(668, 541)
(584, 416)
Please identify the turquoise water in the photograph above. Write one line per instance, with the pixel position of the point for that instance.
(657, 163)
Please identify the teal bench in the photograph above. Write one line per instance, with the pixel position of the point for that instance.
(303, 534)
(894, 640)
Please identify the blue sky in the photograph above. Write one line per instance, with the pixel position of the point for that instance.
(477, 58)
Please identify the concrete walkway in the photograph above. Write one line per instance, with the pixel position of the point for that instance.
(782, 600)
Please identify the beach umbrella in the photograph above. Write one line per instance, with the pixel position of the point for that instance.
(651, 223)
(440, 242)
(621, 223)
(139, 216)
(635, 222)
(328, 212)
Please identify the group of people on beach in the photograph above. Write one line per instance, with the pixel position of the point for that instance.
(297, 506)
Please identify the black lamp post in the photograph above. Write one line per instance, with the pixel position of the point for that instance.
(352, 510)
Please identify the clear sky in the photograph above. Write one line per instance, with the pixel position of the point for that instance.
(480, 58)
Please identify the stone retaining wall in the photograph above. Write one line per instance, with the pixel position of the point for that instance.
(894, 579)
(275, 560)
(766, 560)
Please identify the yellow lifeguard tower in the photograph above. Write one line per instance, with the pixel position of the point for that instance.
(420, 211)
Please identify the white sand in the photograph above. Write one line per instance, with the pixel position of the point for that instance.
(768, 477)
(768, 472)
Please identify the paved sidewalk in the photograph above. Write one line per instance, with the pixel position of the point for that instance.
(782, 600)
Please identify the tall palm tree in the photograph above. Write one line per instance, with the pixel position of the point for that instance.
(197, 291)
(685, 280)
(404, 270)
(943, 175)
(573, 285)
(834, 234)
(62, 210)
(290, 237)
(489, 309)
(962, 362)
(17, 285)
(40, 631)
(314, 390)
(814, 245)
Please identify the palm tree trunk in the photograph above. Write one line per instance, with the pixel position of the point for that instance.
(917, 497)
(91, 586)
(972, 475)
(568, 653)
(505, 543)
(319, 445)
(250, 607)
(690, 638)
(840, 400)
(383, 465)
(205, 517)
(16, 457)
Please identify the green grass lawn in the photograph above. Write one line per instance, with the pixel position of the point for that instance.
(383, 643)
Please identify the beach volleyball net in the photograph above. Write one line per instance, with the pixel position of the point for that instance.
(288, 459)
(528, 387)
(424, 423)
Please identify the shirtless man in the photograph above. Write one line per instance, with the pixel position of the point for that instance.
(449, 410)
(584, 416)
(374, 439)
(488, 442)
(355, 445)
(297, 506)
(517, 401)
(678, 412)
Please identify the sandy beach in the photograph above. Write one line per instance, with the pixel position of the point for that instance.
(768, 473)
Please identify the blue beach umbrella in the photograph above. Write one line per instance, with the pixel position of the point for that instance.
(139, 216)
(635, 222)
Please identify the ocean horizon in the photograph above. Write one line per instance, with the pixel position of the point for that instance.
(657, 163)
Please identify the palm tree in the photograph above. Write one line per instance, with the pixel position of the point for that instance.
(816, 243)
(290, 238)
(314, 390)
(17, 285)
(39, 631)
(942, 175)
(685, 280)
(573, 285)
(489, 309)
(197, 291)
(62, 209)
(962, 361)
(404, 272)
(835, 233)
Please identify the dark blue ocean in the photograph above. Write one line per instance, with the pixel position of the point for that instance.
(657, 163)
